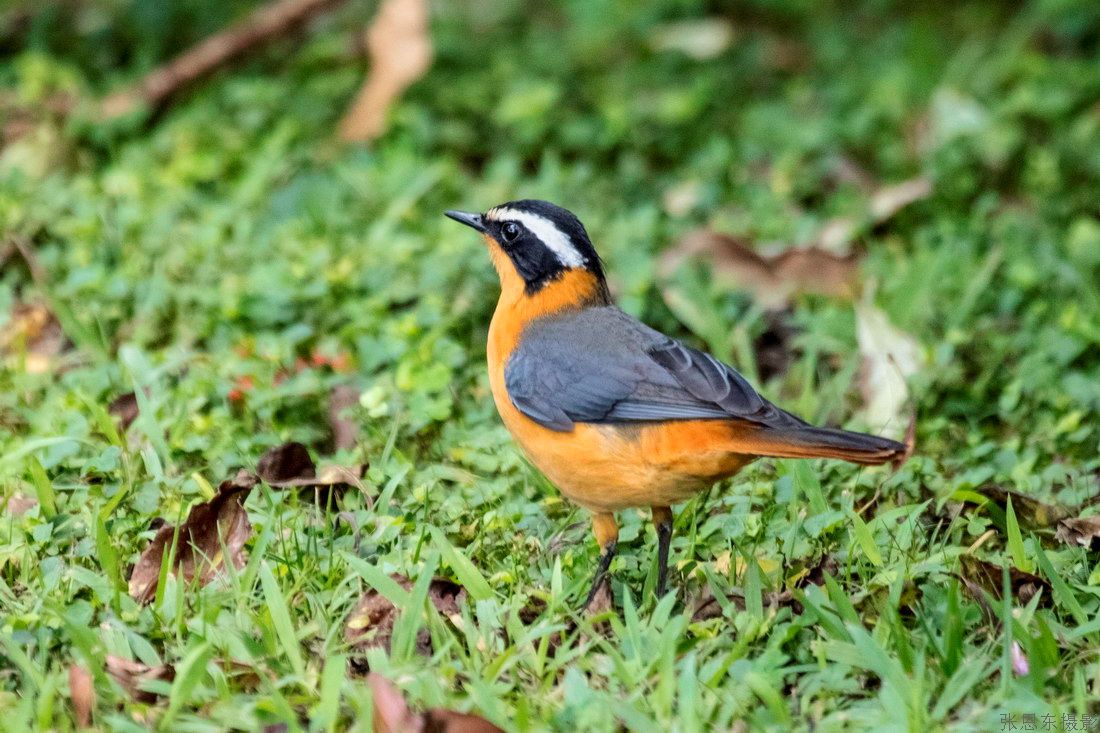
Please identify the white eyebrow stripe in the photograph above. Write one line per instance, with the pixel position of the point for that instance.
(555, 239)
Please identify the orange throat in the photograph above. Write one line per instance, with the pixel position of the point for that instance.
(574, 289)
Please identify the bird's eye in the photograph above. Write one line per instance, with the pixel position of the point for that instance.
(510, 231)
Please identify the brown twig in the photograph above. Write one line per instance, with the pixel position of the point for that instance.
(261, 26)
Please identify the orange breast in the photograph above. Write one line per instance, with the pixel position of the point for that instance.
(603, 467)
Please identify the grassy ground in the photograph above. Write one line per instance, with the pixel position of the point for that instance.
(199, 258)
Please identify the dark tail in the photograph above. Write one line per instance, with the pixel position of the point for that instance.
(811, 442)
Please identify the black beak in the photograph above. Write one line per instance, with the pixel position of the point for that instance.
(474, 221)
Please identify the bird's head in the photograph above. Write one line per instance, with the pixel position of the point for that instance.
(535, 240)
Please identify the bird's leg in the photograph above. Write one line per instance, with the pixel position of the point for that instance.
(607, 536)
(662, 520)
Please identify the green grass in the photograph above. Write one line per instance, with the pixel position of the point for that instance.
(210, 248)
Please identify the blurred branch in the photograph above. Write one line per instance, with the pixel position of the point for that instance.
(261, 26)
(400, 51)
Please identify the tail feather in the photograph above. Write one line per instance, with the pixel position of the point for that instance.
(811, 442)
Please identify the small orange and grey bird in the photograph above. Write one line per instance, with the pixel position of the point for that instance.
(615, 413)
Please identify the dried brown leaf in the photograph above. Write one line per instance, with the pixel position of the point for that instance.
(345, 431)
(223, 519)
(977, 574)
(700, 39)
(125, 409)
(34, 332)
(393, 715)
(133, 677)
(1083, 531)
(289, 466)
(889, 357)
(82, 692)
(771, 281)
(19, 504)
(285, 463)
(370, 624)
(884, 203)
(708, 607)
(400, 52)
(1031, 513)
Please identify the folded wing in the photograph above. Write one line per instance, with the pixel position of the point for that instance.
(600, 365)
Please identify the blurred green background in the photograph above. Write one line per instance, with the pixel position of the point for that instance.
(231, 261)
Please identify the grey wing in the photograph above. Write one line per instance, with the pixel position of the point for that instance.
(601, 365)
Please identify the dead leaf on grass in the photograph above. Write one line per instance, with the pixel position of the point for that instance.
(826, 267)
(370, 624)
(34, 333)
(1031, 513)
(82, 692)
(883, 204)
(700, 39)
(978, 576)
(1035, 514)
(125, 409)
(708, 607)
(1082, 531)
(133, 677)
(889, 357)
(400, 53)
(19, 504)
(392, 714)
(223, 519)
(771, 281)
(290, 466)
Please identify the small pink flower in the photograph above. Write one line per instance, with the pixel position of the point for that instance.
(1019, 660)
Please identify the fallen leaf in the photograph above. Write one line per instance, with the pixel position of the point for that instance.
(19, 504)
(133, 677)
(1083, 531)
(370, 624)
(290, 466)
(35, 333)
(889, 357)
(681, 198)
(125, 408)
(978, 576)
(82, 692)
(223, 519)
(883, 204)
(400, 52)
(286, 462)
(701, 39)
(345, 431)
(602, 601)
(708, 607)
(1030, 512)
(393, 715)
(771, 281)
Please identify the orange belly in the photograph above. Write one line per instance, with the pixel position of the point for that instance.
(605, 468)
(609, 467)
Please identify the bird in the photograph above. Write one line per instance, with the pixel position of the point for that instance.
(618, 415)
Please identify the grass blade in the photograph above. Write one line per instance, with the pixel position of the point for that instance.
(280, 617)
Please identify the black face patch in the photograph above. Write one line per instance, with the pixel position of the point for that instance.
(536, 260)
